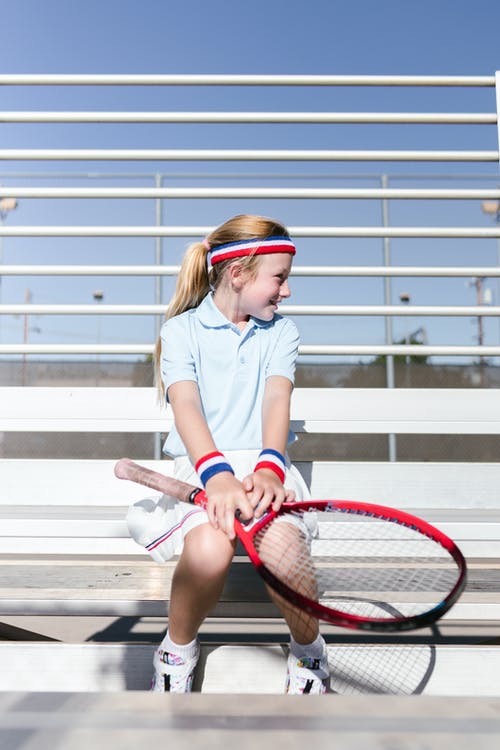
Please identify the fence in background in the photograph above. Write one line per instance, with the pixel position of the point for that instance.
(482, 127)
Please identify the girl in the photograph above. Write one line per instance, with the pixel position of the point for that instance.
(226, 363)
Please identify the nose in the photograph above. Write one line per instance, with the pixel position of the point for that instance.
(285, 289)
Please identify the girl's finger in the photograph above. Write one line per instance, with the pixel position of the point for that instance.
(248, 483)
(264, 503)
(212, 515)
(246, 508)
(256, 496)
(229, 524)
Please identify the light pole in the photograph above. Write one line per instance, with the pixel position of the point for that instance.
(405, 299)
(98, 296)
(389, 360)
(6, 206)
(492, 208)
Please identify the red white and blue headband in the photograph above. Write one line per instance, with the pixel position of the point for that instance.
(243, 248)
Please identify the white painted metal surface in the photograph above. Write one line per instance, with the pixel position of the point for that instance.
(174, 79)
(240, 669)
(372, 271)
(323, 410)
(387, 118)
(197, 232)
(210, 193)
(143, 154)
(458, 486)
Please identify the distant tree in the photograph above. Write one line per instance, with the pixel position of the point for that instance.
(415, 339)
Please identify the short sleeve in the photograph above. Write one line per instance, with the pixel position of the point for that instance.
(177, 361)
(284, 354)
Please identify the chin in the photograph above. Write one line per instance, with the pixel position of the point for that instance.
(269, 313)
(266, 315)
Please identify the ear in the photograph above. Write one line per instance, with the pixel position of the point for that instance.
(237, 276)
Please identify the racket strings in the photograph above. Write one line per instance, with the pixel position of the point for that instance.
(354, 561)
(383, 669)
(285, 552)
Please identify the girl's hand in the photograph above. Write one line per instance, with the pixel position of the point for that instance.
(226, 495)
(264, 489)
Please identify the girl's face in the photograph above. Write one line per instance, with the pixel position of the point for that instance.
(262, 293)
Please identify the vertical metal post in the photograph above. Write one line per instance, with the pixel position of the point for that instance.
(6, 205)
(389, 374)
(497, 221)
(158, 252)
(497, 214)
(1, 279)
(158, 288)
(492, 208)
(98, 296)
(498, 264)
(27, 300)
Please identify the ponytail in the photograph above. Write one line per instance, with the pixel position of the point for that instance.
(191, 287)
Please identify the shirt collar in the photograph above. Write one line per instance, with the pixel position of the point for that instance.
(211, 317)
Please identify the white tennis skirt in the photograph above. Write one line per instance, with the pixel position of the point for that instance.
(160, 524)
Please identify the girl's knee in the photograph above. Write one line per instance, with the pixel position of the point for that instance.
(209, 549)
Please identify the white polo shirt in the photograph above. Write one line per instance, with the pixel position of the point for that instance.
(230, 367)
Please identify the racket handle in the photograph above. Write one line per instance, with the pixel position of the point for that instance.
(129, 470)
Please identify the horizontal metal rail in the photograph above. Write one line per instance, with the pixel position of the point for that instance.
(400, 350)
(262, 155)
(190, 231)
(86, 79)
(71, 154)
(306, 349)
(210, 193)
(373, 118)
(392, 310)
(160, 270)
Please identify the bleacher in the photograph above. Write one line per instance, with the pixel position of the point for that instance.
(64, 549)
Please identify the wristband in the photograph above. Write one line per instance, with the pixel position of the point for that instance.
(210, 465)
(273, 460)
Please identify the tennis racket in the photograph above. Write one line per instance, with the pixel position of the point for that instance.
(353, 564)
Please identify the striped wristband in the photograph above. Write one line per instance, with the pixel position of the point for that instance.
(271, 459)
(212, 464)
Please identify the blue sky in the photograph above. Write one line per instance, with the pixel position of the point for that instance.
(265, 36)
(275, 36)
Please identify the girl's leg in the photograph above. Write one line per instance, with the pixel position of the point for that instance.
(196, 587)
(307, 665)
(198, 580)
(281, 548)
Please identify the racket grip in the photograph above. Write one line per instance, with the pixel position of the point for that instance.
(129, 470)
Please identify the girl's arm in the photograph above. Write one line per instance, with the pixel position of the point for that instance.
(225, 493)
(264, 486)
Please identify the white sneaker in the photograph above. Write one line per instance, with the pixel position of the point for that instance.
(173, 674)
(307, 675)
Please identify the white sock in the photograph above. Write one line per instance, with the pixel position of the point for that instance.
(315, 649)
(185, 651)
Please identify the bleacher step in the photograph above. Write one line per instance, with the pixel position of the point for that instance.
(126, 721)
(255, 669)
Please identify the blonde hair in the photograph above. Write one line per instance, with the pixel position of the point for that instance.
(195, 281)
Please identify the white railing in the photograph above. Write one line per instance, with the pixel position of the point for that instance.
(94, 154)
(130, 231)
(211, 193)
(101, 79)
(284, 118)
(158, 193)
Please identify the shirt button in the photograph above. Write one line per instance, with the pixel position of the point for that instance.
(242, 360)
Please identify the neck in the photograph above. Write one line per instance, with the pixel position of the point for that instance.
(229, 306)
